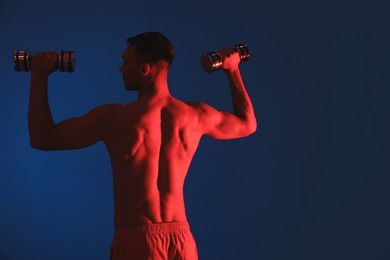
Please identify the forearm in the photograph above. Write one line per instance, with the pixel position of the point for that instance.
(242, 104)
(40, 121)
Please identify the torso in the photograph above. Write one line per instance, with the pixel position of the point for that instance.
(151, 147)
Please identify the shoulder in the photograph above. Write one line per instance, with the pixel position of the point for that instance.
(105, 111)
(201, 107)
(197, 105)
(110, 107)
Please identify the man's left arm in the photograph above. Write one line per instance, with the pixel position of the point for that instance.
(222, 124)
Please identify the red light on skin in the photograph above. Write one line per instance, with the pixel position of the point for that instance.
(150, 141)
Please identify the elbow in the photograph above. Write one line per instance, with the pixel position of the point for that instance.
(247, 130)
(251, 124)
(252, 128)
(39, 144)
(41, 139)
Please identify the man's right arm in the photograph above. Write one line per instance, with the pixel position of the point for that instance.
(72, 133)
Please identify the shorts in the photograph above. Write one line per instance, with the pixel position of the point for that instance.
(157, 241)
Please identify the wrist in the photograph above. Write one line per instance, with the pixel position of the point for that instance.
(39, 74)
(231, 71)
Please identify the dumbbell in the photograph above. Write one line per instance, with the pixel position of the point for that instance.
(212, 61)
(22, 59)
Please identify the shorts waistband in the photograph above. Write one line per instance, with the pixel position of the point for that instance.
(150, 228)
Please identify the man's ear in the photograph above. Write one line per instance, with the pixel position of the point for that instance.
(145, 69)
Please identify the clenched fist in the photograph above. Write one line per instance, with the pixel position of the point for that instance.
(230, 59)
(44, 62)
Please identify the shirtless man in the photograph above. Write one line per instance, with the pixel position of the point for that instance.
(151, 143)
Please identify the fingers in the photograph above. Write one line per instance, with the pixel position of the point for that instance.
(227, 52)
(45, 56)
(45, 62)
(230, 59)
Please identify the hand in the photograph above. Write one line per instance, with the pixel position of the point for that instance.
(44, 62)
(230, 59)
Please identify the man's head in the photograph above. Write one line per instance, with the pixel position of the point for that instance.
(153, 45)
(146, 54)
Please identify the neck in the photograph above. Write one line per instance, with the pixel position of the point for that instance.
(157, 87)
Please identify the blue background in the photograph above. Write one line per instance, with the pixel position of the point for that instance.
(313, 181)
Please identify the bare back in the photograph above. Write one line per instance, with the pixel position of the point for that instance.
(151, 147)
(151, 141)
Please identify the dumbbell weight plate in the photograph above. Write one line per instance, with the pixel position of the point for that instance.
(211, 61)
(66, 61)
(22, 60)
(243, 50)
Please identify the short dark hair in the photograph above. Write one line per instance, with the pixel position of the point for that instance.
(154, 45)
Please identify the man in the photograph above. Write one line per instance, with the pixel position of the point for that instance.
(151, 142)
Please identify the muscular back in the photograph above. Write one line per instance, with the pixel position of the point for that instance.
(151, 144)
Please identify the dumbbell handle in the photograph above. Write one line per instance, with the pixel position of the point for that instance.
(212, 61)
(22, 59)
